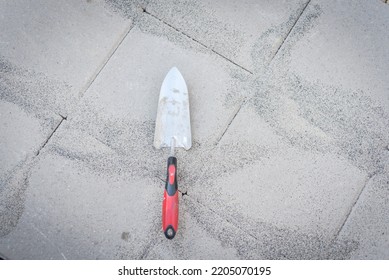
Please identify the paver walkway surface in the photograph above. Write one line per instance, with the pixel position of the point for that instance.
(290, 121)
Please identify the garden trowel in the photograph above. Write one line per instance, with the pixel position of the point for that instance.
(172, 130)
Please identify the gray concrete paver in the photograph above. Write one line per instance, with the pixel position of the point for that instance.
(346, 52)
(286, 186)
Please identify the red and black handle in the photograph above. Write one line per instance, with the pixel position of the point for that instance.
(170, 200)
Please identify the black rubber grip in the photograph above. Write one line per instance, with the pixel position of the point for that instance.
(171, 180)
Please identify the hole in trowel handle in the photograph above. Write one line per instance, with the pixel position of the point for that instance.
(170, 232)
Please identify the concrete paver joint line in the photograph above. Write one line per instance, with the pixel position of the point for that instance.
(197, 41)
(290, 30)
(143, 7)
(235, 113)
(231, 61)
(371, 176)
(105, 61)
(51, 135)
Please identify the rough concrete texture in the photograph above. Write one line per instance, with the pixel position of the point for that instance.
(56, 47)
(368, 224)
(289, 110)
(239, 31)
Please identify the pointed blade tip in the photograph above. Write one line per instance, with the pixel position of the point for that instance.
(174, 71)
(175, 74)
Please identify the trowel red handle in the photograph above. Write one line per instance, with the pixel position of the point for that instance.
(170, 200)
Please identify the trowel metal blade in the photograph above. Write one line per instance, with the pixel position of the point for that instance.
(172, 127)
